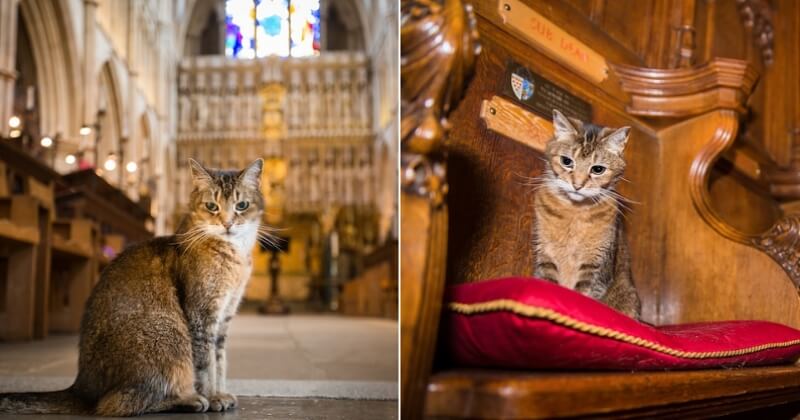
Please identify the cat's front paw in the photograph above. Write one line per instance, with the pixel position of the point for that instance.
(194, 404)
(222, 402)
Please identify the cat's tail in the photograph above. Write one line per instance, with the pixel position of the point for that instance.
(55, 402)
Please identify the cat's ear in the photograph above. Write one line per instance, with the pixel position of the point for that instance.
(563, 126)
(200, 176)
(616, 141)
(251, 175)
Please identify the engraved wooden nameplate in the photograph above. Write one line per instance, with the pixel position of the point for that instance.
(552, 40)
(511, 120)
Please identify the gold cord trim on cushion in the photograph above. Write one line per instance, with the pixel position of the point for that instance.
(561, 319)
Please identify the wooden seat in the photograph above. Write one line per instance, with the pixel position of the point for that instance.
(709, 164)
(690, 394)
(74, 272)
(29, 185)
(19, 240)
(374, 291)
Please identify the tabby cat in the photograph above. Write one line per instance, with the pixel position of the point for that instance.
(153, 333)
(579, 234)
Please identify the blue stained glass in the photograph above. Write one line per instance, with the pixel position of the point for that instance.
(305, 27)
(259, 28)
(272, 25)
(233, 38)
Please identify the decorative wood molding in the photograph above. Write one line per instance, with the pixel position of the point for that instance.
(757, 17)
(511, 120)
(439, 45)
(782, 243)
(700, 173)
(722, 83)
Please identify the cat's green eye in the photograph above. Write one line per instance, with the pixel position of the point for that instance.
(597, 169)
(242, 205)
(567, 162)
(212, 206)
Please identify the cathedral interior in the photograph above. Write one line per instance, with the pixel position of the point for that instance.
(103, 103)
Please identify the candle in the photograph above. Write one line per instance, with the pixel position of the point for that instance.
(29, 98)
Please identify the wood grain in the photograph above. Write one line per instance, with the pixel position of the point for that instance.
(690, 394)
(439, 45)
(504, 117)
(553, 40)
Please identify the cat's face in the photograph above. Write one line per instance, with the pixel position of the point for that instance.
(227, 204)
(584, 161)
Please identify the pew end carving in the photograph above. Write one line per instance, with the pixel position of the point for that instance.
(438, 39)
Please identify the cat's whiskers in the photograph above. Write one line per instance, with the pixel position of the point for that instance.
(266, 234)
(192, 237)
(621, 208)
(622, 197)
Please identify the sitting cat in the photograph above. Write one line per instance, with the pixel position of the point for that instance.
(579, 236)
(153, 333)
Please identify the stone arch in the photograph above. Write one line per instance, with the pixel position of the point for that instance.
(198, 17)
(148, 154)
(109, 95)
(53, 43)
(350, 14)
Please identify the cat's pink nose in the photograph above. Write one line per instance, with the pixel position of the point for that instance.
(227, 225)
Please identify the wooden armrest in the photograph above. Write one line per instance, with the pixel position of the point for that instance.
(509, 394)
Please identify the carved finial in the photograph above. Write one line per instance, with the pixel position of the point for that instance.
(757, 17)
(439, 44)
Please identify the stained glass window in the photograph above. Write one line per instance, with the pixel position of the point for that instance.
(260, 28)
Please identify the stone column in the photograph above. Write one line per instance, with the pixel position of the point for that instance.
(8, 52)
(89, 78)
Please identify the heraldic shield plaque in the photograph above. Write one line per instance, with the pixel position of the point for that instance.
(541, 95)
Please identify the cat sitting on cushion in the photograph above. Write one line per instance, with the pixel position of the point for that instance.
(153, 333)
(579, 235)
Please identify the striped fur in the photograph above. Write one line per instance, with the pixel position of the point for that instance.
(579, 231)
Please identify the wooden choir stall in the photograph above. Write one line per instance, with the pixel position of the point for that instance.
(711, 92)
(56, 234)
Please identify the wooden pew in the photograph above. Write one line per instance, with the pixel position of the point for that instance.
(121, 221)
(374, 291)
(29, 186)
(19, 240)
(710, 240)
(75, 271)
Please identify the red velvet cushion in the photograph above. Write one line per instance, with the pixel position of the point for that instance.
(534, 324)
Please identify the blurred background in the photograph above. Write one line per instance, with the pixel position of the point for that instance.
(103, 101)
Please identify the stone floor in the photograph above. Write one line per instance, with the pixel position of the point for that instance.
(307, 366)
(278, 408)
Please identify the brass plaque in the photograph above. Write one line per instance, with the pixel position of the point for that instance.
(515, 122)
(552, 40)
